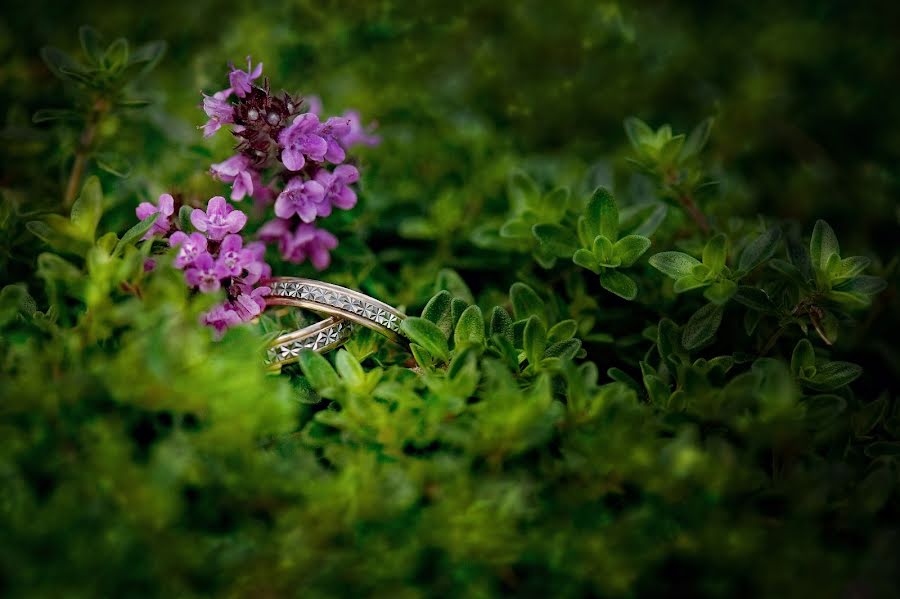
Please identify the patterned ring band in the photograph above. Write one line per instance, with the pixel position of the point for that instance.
(337, 301)
(320, 337)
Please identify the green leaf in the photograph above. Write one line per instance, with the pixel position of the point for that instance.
(114, 164)
(562, 330)
(116, 56)
(602, 216)
(564, 350)
(534, 340)
(135, 233)
(630, 248)
(668, 341)
(525, 302)
(63, 65)
(619, 284)
(760, 249)
(697, 139)
(555, 239)
(148, 54)
(833, 375)
(687, 283)
(674, 264)
(552, 206)
(470, 328)
(88, 208)
(132, 103)
(318, 372)
(714, 253)
(523, 191)
(721, 292)
(868, 417)
(438, 311)
(421, 355)
(448, 279)
(349, 368)
(603, 252)
(637, 131)
(59, 233)
(755, 299)
(457, 307)
(803, 359)
(586, 259)
(184, 219)
(702, 326)
(822, 245)
(91, 43)
(52, 114)
(501, 323)
(864, 284)
(850, 267)
(428, 335)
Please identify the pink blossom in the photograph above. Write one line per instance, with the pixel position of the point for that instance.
(166, 209)
(191, 246)
(205, 274)
(236, 170)
(306, 199)
(337, 185)
(301, 140)
(241, 80)
(219, 220)
(307, 241)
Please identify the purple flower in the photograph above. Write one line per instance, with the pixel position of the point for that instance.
(236, 170)
(233, 257)
(303, 198)
(205, 273)
(192, 246)
(300, 140)
(357, 133)
(221, 317)
(149, 264)
(306, 242)
(332, 131)
(219, 111)
(337, 185)
(263, 194)
(256, 266)
(250, 303)
(166, 209)
(219, 220)
(240, 80)
(313, 105)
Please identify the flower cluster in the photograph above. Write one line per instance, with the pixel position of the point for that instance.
(284, 139)
(215, 257)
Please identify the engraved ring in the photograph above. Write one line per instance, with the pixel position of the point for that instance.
(336, 301)
(321, 337)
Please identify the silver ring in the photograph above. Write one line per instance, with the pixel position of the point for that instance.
(320, 337)
(336, 301)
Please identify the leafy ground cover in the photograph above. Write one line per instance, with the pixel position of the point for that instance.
(648, 252)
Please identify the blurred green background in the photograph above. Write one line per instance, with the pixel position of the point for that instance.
(807, 126)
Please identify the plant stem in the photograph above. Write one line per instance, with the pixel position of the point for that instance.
(687, 202)
(85, 145)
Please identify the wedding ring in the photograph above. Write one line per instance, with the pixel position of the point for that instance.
(336, 301)
(320, 337)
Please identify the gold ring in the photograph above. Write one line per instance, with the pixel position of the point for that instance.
(320, 337)
(336, 301)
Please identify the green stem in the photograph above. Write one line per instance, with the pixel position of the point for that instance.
(85, 145)
(687, 202)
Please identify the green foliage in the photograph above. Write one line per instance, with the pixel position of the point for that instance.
(568, 419)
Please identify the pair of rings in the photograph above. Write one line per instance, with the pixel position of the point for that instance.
(344, 308)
